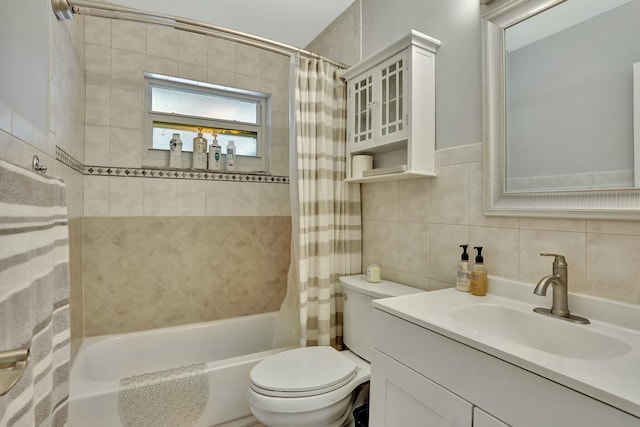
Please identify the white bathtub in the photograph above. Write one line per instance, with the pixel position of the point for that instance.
(229, 348)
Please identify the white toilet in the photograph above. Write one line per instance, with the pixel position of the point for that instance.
(313, 386)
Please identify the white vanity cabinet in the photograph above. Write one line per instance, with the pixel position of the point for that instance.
(391, 109)
(417, 374)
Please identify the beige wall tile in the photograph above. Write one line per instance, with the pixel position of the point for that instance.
(124, 147)
(97, 31)
(533, 267)
(221, 77)
(577, 225)
(162, 42)
(500, 249)
(248, 82)
(444, 252)
(413, 248)
(419, 282)
(219, 198)
(167, 67)
(125, 196)
(273, 200)
(414, 197)
(273, 66)
(450, 195)
(97, 140)
(279, 92)
(192, 48)
(191, 198)
(97, 64)
(190, 71)
(459, 155)
(127, 69)
(126, 108)
(279, 159)
(129, 36)
(382, 244)
(631, 228)
(98, 105)
(612, 262)
(381, 201)
(247, 60)
(246, 199)
(159, 197)
(221, 54)
(96, 196)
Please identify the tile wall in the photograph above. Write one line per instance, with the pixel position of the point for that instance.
(20, 140)
(418, 243)
(161, 252)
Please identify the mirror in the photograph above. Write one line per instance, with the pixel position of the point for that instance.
(559, 108)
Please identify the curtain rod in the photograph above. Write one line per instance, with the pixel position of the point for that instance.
(66, 9)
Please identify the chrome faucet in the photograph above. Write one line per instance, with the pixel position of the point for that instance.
(560, 283)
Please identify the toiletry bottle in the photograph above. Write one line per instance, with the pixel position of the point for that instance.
(479, 275)
(231, 156)
(464, 275)
(175, 159)
(199, 151)
(215, 154)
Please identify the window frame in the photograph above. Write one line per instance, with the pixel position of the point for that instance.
(157, 157)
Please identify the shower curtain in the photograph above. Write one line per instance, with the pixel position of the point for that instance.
(325, 210)
(34, 295)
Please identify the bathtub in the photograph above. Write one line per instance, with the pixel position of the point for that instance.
(222, 351)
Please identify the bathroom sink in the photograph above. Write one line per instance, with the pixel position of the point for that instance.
(600, 359)
(538, 332)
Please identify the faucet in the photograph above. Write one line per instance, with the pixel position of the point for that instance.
(559, 281)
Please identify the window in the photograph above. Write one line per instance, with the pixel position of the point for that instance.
(187, 107)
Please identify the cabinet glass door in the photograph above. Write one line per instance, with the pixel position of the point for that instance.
(392, 114)
(362, 107)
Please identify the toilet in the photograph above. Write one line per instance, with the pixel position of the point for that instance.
(314, 386)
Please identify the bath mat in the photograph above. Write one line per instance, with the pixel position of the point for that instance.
(170, 398)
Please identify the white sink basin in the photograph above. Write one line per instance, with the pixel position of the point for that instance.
(539, 332)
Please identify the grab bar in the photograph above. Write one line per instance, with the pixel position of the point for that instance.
(12, 366)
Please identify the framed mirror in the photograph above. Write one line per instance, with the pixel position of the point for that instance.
(560, 125)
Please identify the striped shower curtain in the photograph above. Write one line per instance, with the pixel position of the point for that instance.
(34, 295)
(328, 220)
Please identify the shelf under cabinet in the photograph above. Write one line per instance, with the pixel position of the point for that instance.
(390, 177)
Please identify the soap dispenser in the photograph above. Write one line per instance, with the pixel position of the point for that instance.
(464, 275)
(478, 285)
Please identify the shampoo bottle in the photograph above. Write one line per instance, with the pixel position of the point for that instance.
(231, 156)
(175, 160)
(464, 275)
(215, 163)
(479, 275)
(199, 151)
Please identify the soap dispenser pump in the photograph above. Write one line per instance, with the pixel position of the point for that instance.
(464, 275)
(478, 285)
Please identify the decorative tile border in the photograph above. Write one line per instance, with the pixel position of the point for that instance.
(192, 174)
(67, 159)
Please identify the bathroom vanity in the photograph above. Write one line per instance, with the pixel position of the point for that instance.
(448, 358)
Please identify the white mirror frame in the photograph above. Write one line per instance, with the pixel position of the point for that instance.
(595, 204)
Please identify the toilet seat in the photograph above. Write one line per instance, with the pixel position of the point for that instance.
(303, 372)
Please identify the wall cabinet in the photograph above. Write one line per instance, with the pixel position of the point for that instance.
(391, 110)
(419, 372)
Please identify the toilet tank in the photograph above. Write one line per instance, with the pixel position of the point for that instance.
(358, 312)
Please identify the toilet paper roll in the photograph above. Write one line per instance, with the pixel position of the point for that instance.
(359, 164)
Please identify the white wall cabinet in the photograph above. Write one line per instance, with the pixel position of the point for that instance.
(391, 109)
(416, 370)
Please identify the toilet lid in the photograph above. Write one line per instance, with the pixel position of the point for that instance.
(306, 371)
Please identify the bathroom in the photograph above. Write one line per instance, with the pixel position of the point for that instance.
(121, 228)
